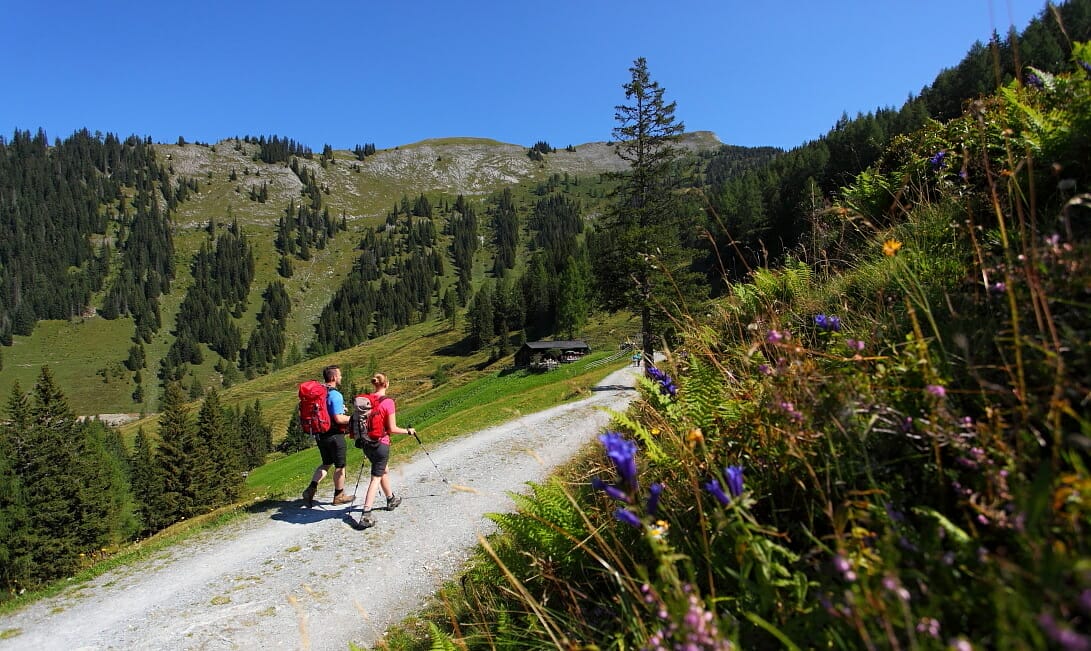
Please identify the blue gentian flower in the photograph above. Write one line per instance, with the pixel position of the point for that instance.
(1086, 66)
(713, 486)
(609, 489)
(628, 517)
(1033, 80)
(828, 323)
(937, 159)
(653, 498)
(623, 453)
(734, 480)
(666, 384)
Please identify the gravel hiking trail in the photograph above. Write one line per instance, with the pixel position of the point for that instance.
(290, 577)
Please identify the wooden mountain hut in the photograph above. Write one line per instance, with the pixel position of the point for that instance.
(543, 353)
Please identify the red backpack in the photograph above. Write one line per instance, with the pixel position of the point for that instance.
(366, 421)
(314, 416)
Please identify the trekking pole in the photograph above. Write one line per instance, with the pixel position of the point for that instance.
(414, 433)
(363, 460)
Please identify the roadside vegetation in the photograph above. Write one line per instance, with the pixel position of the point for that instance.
(884, 443)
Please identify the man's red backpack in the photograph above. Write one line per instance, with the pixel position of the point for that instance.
(314, 416)
(366, 422)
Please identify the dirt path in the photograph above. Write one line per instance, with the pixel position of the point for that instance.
(294, 578)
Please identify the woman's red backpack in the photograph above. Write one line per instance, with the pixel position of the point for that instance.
(366, 422)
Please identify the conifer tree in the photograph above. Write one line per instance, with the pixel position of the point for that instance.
(68, 483)
(295, 439)
(574, 296)
(106, 484)
(257, 436)
(147, 484)
(479, 319)
(640, 263)
(174, 458)
(16, 559)
(219, 472)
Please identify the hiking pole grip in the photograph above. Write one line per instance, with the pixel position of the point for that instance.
(414, 433)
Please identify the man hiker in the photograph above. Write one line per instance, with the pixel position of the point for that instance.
(376, 446)
(331, 445)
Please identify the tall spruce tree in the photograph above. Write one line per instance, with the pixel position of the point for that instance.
(219, 468)
(574, 296)
(640, 263)
(147, 484)
(174, 458)
(16, 559)
(295, 439)
(257, 436)
(68, 483)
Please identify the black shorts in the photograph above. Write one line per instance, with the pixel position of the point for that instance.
(378, 454)
(332, 449)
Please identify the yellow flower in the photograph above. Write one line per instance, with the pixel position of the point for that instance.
(659, 529)
(890, 247)
(655, 431)
(695, 436)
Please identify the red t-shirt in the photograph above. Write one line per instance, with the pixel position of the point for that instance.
(385, 408)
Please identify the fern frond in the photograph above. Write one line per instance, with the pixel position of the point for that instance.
(651, 446)
(440, 640)
(702, 394)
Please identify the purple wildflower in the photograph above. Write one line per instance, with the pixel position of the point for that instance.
(792, 412)
(654, 491)
(1085, 601)
(774, 337)
(623, 453)
(666, 384)
(854, 344)
(937, 161)
(1033, 80)
(1086, 66)
(1063, 635)
(713, 486)
(609, 489)
(628, 517)
(828, 323)
(765, 369)
(929, 625)
(734, 480)
(998, 288)
(936, 390)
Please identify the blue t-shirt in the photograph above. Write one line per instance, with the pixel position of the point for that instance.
(335, 404)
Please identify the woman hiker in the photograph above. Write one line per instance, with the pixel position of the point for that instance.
(376, 446)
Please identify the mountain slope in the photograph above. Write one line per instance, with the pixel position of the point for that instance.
(86, 354)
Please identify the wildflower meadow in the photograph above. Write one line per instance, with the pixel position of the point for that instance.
(883, 443)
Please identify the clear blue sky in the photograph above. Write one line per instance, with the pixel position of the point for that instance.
(389, 72)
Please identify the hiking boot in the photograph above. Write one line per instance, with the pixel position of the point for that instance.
(392, 502)
(365, 521)
(343, 498)
(308, 496)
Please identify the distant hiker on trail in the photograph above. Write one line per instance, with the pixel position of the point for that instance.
(376, 446)
(331, 444)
